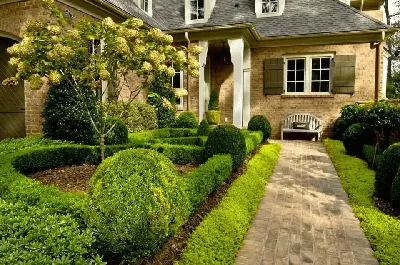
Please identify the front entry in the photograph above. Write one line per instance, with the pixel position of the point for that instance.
(12, 99)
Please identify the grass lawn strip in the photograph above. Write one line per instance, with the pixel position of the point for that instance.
(382, 230)
(220, 235)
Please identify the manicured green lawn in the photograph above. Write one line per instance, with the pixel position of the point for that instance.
(220, 235)
(382, 230)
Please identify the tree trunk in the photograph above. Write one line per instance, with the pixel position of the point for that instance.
(388, 42)
(102, 147)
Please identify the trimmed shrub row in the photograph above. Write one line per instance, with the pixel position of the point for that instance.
(199, 183)
(150, 136)
(187, 119)
(180, 154)
(382, 230)
(35, 235)
(199, 141)
(220, 235)
(253, 139)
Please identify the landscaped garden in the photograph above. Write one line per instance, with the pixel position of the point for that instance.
(366, 156)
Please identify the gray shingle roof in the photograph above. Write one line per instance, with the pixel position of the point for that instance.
(300, 17)
(128, 6)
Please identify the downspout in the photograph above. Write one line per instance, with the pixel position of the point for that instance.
(378, 62)
(187, 72)
(362, 5)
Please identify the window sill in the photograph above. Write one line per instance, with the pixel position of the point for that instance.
(308, 96)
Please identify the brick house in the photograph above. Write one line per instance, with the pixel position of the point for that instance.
(269, 57)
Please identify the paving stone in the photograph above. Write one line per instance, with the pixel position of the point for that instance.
(305, 216)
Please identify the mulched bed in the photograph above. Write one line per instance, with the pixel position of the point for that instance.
(176, 244)
(67, 178)
(183, 169)
(76, 177)
(385, 207)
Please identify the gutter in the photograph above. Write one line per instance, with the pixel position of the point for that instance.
(389, 32)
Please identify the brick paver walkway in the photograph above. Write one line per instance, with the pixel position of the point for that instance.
(305, 216)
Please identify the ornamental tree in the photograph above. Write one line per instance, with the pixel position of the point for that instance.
(101, 54)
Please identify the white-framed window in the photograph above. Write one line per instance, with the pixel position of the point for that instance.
(270, 6)
(197, 9)
(308, 74)
(177, 82)
(144, 5)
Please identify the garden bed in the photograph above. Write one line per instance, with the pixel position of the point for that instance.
(67, 178)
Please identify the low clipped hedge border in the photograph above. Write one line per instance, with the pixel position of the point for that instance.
(382, 230)
(220, 235)
(149, 136)
(253, 139)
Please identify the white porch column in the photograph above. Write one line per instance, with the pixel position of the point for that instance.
(246, 88)
(237, 53)
(202, 79)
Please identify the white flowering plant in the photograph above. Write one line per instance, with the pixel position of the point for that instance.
(101, 54)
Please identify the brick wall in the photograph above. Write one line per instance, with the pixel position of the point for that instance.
(275, 107)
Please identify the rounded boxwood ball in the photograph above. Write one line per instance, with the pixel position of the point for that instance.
(187, 119)
(356, 136)
(339, 127)
(204, 128)
(135, 203)
(260, 123)
(119, 134)
(387, 170)
(226, 139)
(395, 194)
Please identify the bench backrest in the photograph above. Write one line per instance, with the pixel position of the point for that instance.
(315, 123)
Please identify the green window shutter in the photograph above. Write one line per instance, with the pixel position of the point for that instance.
(273, 76)
(344, 74)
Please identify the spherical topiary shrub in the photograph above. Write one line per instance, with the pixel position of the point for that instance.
(226, 139)
(187, 119)
(387, 170)
(118, 134)
(260, 123)
(135, 203)
(356, 136)
(66, 117)
(204, 128)
(395, 193)
(339, 127)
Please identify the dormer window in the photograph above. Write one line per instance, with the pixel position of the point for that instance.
(196, 9)
(144, 5)
(270, 6)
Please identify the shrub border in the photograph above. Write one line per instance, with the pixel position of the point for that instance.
(220, 235)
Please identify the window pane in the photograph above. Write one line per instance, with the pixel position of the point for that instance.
(316, 75)
(291, 76)
(269, 6)
(299, 87)
(200, 3)
(325, 75)
(291, 87)
(316, 63)
(326, 63)
(176, 81)
(201, 14)
(300, 64)
(291, 64)
(324, 86)
(315, 86)
(299, 75)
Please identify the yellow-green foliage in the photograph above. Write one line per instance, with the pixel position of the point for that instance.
(358, 179)
(220, 235)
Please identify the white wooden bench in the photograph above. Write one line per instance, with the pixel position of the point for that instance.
(315, 124)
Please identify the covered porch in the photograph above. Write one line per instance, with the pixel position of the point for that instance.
(225, 70)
